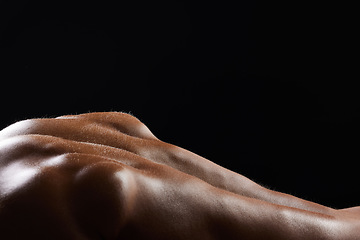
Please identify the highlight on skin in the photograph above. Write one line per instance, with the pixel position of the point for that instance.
(106, 176)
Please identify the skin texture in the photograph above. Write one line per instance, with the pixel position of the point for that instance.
(106, 176)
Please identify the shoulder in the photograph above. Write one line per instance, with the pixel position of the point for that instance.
(52, 186)
(118, 121)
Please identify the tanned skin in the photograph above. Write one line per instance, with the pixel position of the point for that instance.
(106, 176)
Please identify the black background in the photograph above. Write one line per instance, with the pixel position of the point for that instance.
(267, 89)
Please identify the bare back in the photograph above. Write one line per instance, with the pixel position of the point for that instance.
(106, 176)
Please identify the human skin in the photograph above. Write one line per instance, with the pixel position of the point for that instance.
(106, 176)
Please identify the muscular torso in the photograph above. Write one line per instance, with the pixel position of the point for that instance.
(106, 176)
(95, 176)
